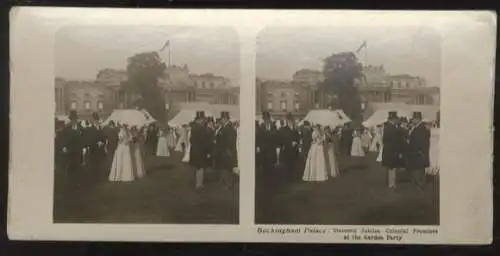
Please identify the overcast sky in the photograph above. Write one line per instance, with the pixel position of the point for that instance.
(82, 51)
(408, 50)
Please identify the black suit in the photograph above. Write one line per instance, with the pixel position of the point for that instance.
(225, 153)
(200, 146)
(394, 144)
(71, 140)
(289, 140)
(418, 148)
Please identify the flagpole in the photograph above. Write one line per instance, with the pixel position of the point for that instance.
(169, 56)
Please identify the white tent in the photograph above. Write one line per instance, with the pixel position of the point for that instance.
(327, 117)
(186, 116)
(379, 116)
(132, 117)
(62, 118)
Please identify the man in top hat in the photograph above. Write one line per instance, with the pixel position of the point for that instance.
(305, 139)
(71, 143)
(392, 153)
(418, 149)
(97, 140)
(267, 143)
(225, 150)
(288, 147)
(200, 147)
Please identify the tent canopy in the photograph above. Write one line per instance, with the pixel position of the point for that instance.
(379, 116)
(131, 117)
(327, 117)
(186, 116)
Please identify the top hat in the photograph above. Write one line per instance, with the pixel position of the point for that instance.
(289, 116)
(266, 115)
(393, 115)
(200, 114)
(72, 115)
(224, 114)
(417, 115)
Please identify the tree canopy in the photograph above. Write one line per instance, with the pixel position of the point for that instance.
(144, 71)
(340, 71)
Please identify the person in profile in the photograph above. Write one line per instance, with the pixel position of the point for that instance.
(225, 151)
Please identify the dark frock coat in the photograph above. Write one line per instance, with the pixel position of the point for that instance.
(394, 144)
(225, 148)
(200, 146)
(418, 148)
(267, 142)
(288, 152)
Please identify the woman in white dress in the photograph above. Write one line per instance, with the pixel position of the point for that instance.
(316, 169)
(236, 169)
(162, 146)
(181, 141)
(187, 144)
(433, 153)
(357, 146)
(366, 140)
(171, 138)
(332, 163)
(137, 154)
(122, 167)
(381, 145)
(376, 143)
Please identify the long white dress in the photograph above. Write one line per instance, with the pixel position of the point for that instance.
(181, 140)
(122, 167)
(162, 146)
(316, 169)
(376, 144)
(333, 164)
(137, 160)
(236, 170)
(185, 159)
(434, 153)
(357, 145)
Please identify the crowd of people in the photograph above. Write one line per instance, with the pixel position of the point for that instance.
(309, 152)
(116, 152)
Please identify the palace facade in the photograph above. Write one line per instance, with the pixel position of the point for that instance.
(105, 93)
(301, 93)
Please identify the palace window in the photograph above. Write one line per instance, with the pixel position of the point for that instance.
(316, 105)
(297, 106)
(283, 105)
(100, 105)
(211, 85)
(73, 105)
(203, 84)
(270, 105)
(269, 94)
(86, 105)
(283, 94)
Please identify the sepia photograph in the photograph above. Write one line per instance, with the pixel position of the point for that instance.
(347, 131)
(146, 125)
(212, 125)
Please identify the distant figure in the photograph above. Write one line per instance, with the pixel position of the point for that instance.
(346, 139)
(187, 146)
(332, 162)
(162, 145)
(357, 145)
(315, 169)
(136, 149)
(122, 167)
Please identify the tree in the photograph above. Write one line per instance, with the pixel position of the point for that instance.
(340, 71)
(144, 71)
